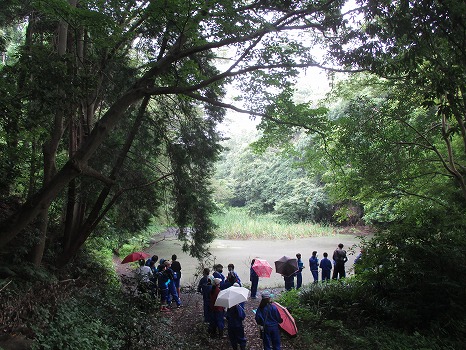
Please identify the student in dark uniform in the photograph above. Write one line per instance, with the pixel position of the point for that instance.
(204, 279)
(268, 317)
(172, 293)
(299, 274)
(163, 281)
(339, 256)
(217, 312)
(206, 290)
(314, 266)
(153, 258)
(289, 281)
(235, 316)
(326, 266)
(254, 278)
(218, 273)
(176, 267)
(230, 281)
(231, 269)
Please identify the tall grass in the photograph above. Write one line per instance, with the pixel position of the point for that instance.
(236, 223)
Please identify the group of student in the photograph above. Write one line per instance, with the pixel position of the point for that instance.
(162, 279)
(325, 264)
(210, 286)
(267, 315)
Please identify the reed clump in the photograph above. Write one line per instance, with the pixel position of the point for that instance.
(236, 223)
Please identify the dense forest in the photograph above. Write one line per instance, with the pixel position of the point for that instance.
(110, 114)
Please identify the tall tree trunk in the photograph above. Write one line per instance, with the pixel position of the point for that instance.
(50, 149)
(49, 152)
(82, 233)
(78, 164)
(72, 202)
(73, 168)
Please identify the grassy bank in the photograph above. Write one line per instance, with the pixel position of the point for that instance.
(235, 223)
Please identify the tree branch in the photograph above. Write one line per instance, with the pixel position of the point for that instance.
(245, 111)
(229, 74)
(91, 172)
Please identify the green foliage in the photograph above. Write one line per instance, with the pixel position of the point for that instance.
(192, 158)
(300, 312)
(418, 268)
(83, 306)
(84, 69)
(305, 202)
(271, 182)
(397, 147)
(74, 327)
(409, 284)
(407, 43)
(286, 119)
(385, 151)
(354, 311)
(99, 318)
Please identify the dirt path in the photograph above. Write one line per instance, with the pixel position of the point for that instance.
(188, 320)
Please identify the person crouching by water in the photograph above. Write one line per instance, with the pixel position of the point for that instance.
(268, 317)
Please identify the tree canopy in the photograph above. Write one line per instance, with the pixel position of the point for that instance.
(85, 68)
(400, 132)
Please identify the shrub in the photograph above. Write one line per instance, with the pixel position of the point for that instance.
(74, 327)
(409, 294)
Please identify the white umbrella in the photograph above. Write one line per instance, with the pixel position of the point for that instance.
(232, 296)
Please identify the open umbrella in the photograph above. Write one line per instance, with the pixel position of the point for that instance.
(286, 266)
(262, 268)
(288, 325)
(135, 257)
(232, 296)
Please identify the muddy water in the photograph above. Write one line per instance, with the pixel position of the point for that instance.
(240, 253)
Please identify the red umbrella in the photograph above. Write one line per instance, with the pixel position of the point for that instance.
(135, 257)
(262, 268)
(288, 325)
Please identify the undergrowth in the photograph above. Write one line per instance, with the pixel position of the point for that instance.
(91, 311)
(350, 314)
